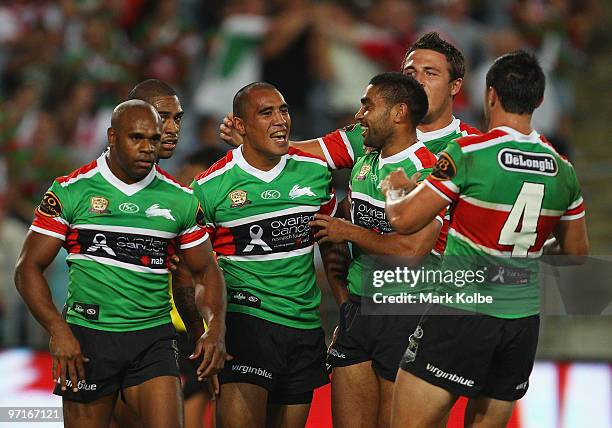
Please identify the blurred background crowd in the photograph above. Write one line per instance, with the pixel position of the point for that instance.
(65, 64)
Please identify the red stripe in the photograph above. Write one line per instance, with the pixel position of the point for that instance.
(223, 242)
(217, 165)
(338, 150)
(562, 374)
(441, 242)
(82, 170)
(427, 158)
(442, 188)
(469, 129)
(483, 225)
(49, 224)
(72, 244)
(171, 178)
(191, 237)
(294, 151)
(574, 211)
(475, 139)
(328, 208)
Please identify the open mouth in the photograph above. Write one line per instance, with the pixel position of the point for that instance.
(279, 137)
(169, 144)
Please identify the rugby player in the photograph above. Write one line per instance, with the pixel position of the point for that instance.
(510, 190)
(118, 217)
(368, 348)
(258, 202)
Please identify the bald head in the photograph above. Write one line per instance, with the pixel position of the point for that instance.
(127, 110)
(149, 89)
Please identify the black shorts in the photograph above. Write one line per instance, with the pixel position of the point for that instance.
(471, 354)
(381, 339)
(288, 362)
(187, 368)
(118, 360)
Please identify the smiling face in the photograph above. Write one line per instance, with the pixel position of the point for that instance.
(374, 117)
(134, 143)
(169, 108)
(266, 124)
(431, 70)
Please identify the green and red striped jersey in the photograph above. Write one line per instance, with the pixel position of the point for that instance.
(508, 191)
(119, 237)
(258, 222)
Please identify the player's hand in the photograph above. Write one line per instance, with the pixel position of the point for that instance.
(398, 180)
(67, 358)
(173, 262)
(212, 345)
(228, 133)
(330, 229)
(212, 383)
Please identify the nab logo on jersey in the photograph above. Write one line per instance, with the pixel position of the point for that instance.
(297, 191)
(535, 163)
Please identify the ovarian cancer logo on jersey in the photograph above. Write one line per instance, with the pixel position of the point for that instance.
(444, 169)
(239, 198)
(363, 172)
(98, 205)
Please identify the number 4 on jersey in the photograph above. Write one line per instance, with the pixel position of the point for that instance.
(523, 217)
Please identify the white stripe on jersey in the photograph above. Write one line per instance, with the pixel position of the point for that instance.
(273, 256)
(218, 172)
(326, 154)
(505, 207)
(368, 199)
(115, 263)
(47, 232)
(575, 203)
(488, 250)
(300, 158)
(439, 192)
(258, 217)
(125, 229)
(88, 174)
(573, 217)
(194, 243)
(347, 143)
(162, 177)
(489, 143)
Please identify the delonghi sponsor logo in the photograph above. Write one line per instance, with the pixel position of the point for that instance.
(536, 163)
(129, 208)
(449, 376)
(270, 194)
(244, 369)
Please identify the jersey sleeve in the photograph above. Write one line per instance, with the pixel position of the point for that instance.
(53, 216)
(206, 206)
(194, 229)
(447, 178)
(343, 147)
(576, 209)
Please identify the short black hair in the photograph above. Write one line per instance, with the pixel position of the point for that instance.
(433, 41)
(396, 88)
(149, 89)
(240, 99)
(518, 80)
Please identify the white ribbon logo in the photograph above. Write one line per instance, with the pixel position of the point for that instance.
(256, 233)
(499, 276)
(99, 243)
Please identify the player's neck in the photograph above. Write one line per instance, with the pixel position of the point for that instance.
(119, 172)
(518, 122)
(259, 160)
(442, 121)
(397, 144)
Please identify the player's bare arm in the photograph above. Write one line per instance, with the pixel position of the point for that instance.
(415, 246)
(210, 299)
(183, 293)
(228, 133)
(37, 254)
(570, 240)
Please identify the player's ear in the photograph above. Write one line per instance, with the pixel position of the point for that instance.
(456, 86)
(111, 136)
(239, 125)
(491, 97)
(399, 112)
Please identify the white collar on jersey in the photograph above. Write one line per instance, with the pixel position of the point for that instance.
(438, 133)
(266, 176)
(128, 189)
(534, 137)
(408, 152)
